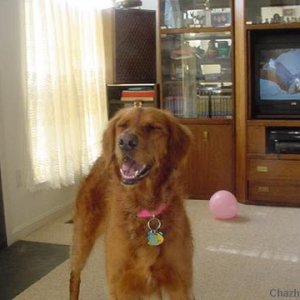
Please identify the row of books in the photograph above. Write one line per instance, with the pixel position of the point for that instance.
(138, 95)
(203, 106)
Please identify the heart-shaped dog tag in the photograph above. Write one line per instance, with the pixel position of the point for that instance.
(155, 238)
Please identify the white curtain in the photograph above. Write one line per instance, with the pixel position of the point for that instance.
(64, 87)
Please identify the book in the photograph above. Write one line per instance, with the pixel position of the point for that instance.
(139, 93)
(221, 106)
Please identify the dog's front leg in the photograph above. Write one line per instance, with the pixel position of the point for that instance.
(86, 232)
(74, 285)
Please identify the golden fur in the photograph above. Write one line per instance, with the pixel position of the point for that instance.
(150, 146)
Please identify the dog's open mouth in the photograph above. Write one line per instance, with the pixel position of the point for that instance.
(132, 172)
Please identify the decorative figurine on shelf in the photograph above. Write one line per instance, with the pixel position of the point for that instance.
(276, 18)
(258, 19)
(212, 51)
(198, 18)
(200, 53)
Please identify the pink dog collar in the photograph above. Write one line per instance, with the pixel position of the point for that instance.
(144, 213)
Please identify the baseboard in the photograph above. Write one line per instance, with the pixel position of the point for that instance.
(22, 231)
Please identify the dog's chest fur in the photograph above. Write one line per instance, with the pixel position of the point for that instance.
(129, 234)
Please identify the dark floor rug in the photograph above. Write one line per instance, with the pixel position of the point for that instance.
(23, 263)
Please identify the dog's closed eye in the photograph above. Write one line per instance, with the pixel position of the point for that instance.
(122, 125)
(152, 127)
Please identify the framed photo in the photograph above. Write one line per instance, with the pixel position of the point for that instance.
(288, 11)
(220, 19)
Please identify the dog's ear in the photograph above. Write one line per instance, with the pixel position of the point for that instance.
(109, 140)
(180, 142)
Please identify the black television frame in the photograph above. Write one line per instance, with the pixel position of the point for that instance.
(270, 40)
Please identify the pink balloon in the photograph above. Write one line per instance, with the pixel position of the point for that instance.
(223, 205)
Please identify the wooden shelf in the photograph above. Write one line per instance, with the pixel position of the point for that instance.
(206, 121)
(283, 123)
(295, 25)
(195, 30)
(274, 156)
(199, 81)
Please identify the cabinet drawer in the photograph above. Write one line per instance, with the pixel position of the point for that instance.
(273, 169)
(277, 192)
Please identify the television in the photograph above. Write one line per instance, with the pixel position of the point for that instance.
(275, 74)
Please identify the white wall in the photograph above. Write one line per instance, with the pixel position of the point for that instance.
(24, 210)
(149, 4)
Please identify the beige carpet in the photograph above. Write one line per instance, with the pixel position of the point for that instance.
(253, 257)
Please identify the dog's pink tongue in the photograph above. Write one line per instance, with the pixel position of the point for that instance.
(130, 168)
(127, 166)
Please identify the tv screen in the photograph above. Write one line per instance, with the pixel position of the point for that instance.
(275, 74)
(279, 74)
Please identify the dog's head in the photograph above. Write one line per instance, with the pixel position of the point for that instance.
(141, 142)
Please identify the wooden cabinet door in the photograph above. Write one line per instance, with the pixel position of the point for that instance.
(210, 163)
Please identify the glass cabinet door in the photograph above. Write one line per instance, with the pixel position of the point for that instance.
(195, 14)
(272, 11)
(197, 74)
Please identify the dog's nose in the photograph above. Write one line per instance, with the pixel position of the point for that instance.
(127, 141)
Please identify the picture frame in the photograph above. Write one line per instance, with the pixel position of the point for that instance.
(220, 19)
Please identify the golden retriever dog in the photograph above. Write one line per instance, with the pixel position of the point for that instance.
(134, 196)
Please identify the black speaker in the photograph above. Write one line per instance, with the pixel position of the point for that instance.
(130, 42)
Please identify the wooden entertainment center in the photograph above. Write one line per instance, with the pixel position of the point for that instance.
(261, 177)
(230, 150)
